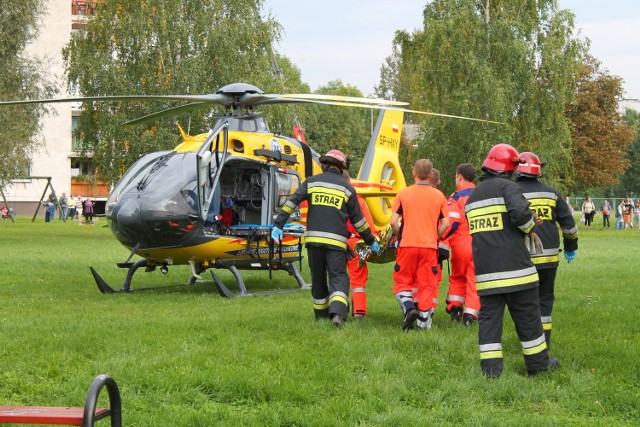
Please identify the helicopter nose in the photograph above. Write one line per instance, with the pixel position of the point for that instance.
(126, 221)
(129, 213)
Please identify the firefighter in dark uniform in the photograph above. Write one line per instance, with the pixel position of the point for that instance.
(499, 219)
(331, 202)
(550, 207)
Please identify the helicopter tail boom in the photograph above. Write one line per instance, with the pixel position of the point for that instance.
(380, 171)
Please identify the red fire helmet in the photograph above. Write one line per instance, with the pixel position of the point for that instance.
(501, 158)
(532, 166)
(335, 157)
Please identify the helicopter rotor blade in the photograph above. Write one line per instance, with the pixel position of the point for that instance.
(242, 95)
(405, 110)
(430, 113)
(219, 99)
(378, 107)
(251, 99)
(166, 113)
(261, 99)
(339, 98)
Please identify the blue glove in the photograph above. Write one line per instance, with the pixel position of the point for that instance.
(570, 255)
(375, 247)
(276, 234)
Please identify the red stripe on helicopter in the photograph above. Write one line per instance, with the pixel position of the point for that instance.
(372, 185)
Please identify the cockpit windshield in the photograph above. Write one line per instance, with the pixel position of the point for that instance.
(163, 182)
(138, 169)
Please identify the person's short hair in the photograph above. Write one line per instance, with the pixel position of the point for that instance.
(422, 168)
(435, 176)
(467, 171)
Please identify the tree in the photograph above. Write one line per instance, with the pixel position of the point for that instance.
(166, 47)
(601, 137)
(21, 77)
(389, 73)
(340, 128)
(630, 181)
(511, 61)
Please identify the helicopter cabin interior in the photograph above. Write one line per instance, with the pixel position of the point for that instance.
(252, 192)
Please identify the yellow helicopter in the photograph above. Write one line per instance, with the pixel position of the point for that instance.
(210, 202)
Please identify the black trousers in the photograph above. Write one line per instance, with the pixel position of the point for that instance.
(588, 218)
(329, 281)
(524, 308)
(546, 292)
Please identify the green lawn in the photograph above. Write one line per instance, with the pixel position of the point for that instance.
(186, 356)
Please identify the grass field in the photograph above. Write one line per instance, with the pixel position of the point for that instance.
(187, 357)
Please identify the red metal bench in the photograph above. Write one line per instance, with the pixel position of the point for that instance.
(75, 416)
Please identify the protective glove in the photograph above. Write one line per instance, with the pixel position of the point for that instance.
(375, 247)
(276, 234)
(570, 255)
(533, 243)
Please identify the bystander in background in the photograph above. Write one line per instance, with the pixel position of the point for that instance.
(62, 213)
(606, 214)
(79, 207)
(619, 220)
(588, 210)
(627, 212)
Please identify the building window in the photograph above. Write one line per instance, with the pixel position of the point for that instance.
(77, 140)
(83, 7)
(81, 167)
(27, 169)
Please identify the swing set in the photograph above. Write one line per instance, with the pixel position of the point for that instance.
(44, 193)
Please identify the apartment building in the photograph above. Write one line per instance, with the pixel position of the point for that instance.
(59, 157)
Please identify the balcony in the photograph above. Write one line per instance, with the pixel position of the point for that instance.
(79, 145)
(82, 186)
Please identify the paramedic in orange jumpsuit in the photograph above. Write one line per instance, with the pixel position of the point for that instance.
(425, 217)
(462, 280)
(358, 274)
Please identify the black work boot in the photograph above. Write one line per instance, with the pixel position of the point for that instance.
(456, 313)
(337, 320)
(552, 366)
(493, 374)
(409, 319)
(491, 368)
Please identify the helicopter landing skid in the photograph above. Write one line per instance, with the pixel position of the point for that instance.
(224, 291)
(126, 286)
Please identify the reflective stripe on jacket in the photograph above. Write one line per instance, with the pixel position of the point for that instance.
(549, 206)
(331, 202)
(499, 216)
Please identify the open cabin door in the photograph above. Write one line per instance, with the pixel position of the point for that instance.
(209, 152)
(285, 183)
